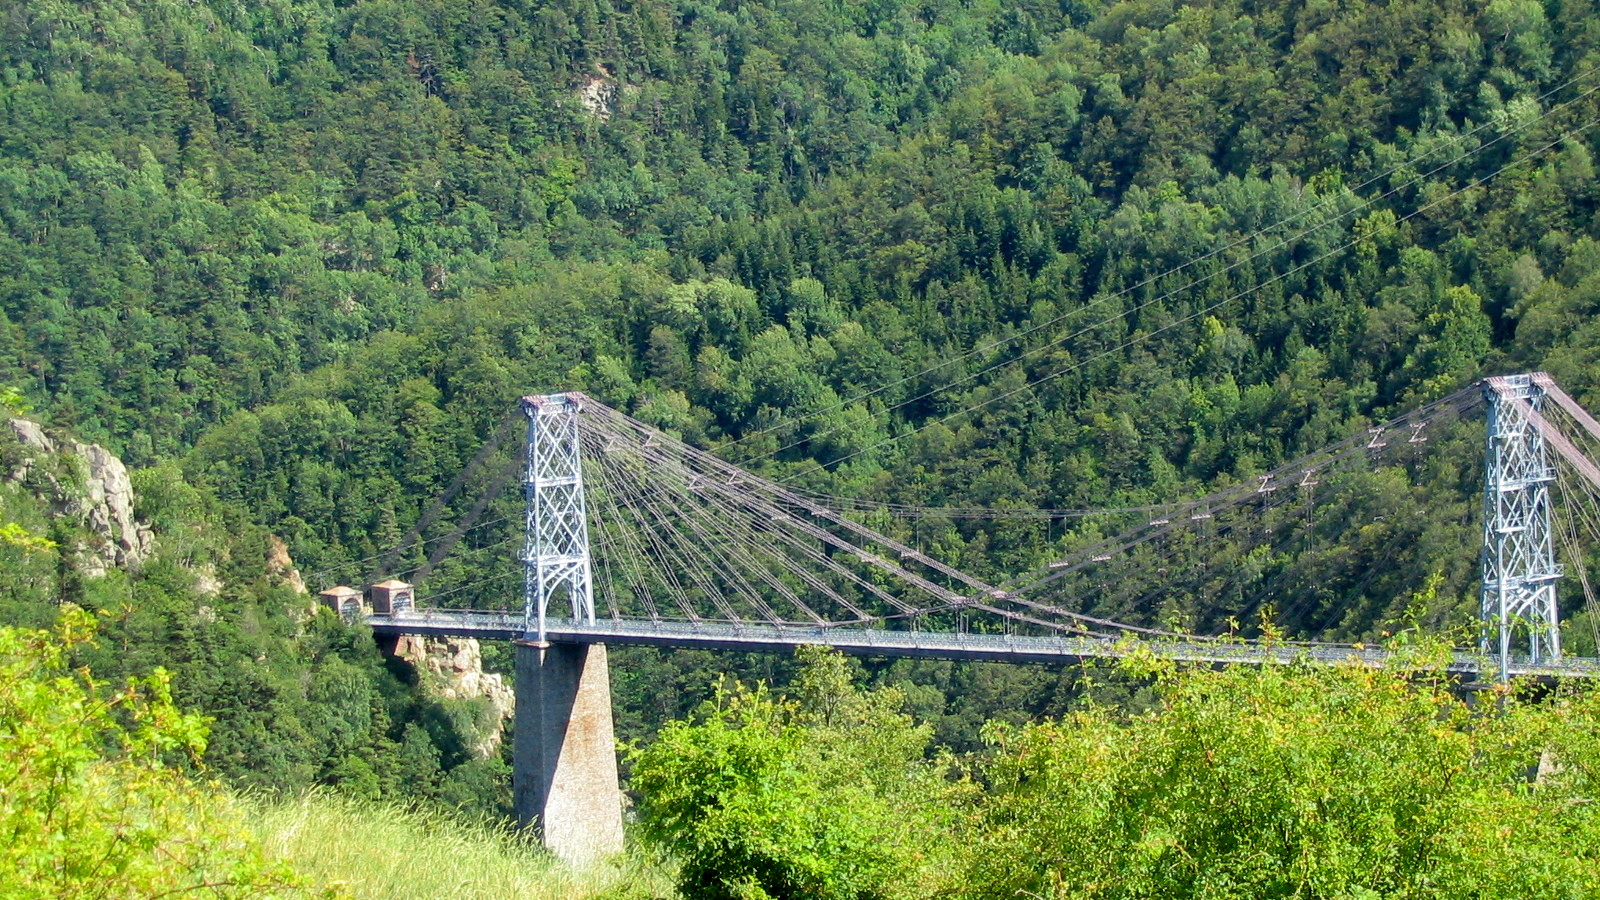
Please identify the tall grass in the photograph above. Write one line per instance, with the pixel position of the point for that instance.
(388, 852)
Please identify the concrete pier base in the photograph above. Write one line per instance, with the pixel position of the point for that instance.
(564, 771)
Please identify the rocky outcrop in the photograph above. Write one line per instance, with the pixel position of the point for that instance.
(281, 566)
(598, 94)
(87, 484)
(206, 581)
(453, 666)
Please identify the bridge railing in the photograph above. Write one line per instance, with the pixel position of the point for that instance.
(1005, 643)
(506, 623)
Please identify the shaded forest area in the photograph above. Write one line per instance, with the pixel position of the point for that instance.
(295, 261)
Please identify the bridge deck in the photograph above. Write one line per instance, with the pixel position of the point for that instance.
(925, 644)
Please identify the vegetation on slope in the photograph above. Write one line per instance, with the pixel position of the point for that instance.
(383, 850)
(293, 696)
(313, 251)
(827, 796)
(294, 259)
(1297, 782)
(1294, 781)
(90, 802)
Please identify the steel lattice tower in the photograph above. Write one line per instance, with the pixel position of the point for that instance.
(1519, 560)
(556, 554)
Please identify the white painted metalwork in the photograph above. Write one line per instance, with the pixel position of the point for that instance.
(721, 537)
(959, 644)
(556, 553)
(1520, 571)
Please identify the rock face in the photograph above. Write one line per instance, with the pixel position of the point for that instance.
(102, 503)
(598, 94)
(454, 666)
(281, 566)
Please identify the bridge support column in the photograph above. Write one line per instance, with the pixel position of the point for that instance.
(564, 769)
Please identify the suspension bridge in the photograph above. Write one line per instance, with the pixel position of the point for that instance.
(692, 551)
(632, 536)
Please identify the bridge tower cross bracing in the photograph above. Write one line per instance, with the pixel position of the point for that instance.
(1519, 562)
(556, 553)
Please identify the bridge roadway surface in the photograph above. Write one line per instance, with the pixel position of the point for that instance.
(925, 644)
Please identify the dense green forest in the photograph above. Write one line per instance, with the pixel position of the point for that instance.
(295, 261)
(310, 253)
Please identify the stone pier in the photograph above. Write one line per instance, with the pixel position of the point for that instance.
(564, 772)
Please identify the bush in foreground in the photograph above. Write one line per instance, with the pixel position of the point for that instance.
(88, 804)
(1298, 781)
(828, 796)
(1248, 783)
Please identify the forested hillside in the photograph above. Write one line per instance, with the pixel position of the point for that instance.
(291, 695)
(305, 255)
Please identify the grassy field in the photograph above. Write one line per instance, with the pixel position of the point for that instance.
(386, 852)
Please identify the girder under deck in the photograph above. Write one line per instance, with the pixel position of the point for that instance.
(930, 644)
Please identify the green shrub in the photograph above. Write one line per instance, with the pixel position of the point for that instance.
(827, 797)
(1296, 782)
(88, 804)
